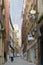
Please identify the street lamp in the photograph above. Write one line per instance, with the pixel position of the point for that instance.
(32, 14)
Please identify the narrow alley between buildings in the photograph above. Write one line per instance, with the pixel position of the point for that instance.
(21, 32)
(18, 61)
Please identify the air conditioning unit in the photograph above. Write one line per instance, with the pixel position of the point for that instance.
(0, 2)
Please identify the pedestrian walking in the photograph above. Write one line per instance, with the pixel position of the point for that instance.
(5, 57)
(11, 56)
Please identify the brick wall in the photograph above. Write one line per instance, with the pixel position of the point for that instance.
(6, 4)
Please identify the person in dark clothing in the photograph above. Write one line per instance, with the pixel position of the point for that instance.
(11, 56)
(5, 56)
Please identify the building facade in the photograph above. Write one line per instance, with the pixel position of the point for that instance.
(2, 32)
(11, 38)
(6, 8)
(17, 40)
(29, 30)
(40, 29)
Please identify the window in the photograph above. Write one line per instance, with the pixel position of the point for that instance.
(28, 23)
(26, 20)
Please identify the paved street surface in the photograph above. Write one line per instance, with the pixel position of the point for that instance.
(18, 61)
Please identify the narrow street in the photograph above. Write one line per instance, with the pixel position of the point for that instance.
(18, 61)
(21, 32)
